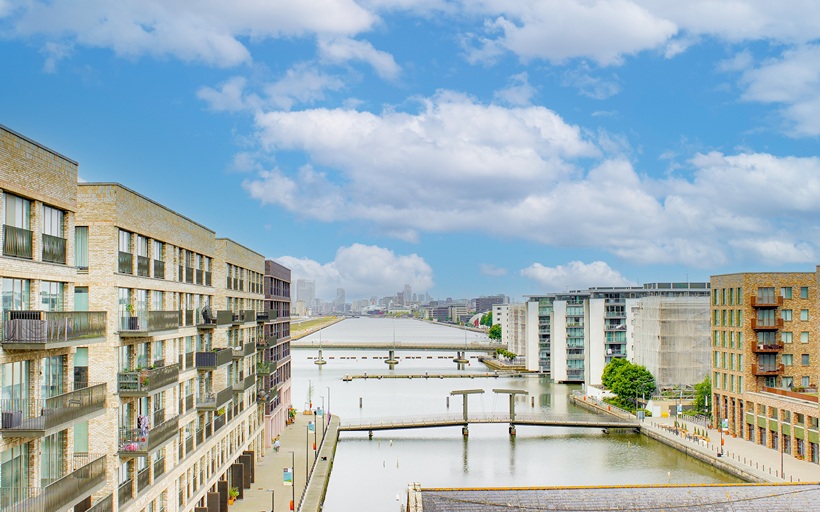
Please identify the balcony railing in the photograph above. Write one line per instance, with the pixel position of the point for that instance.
(125, 492)
(159, 269)
(143, 479)
(262, 316)
(244, 384)
(264, 368)
(143, 266)
(146, 381)
(207, 281)
(16, 242)
(248, 349)
(211, 401)
(759, 348)
(53, 249)
(144, 322)
(220, 421)
(135, 442)
(791, 394)
(189, 275)
(767, 370)
(39, 417)
(104, 505)
(60, 494)
(767, 301)
(198, 276)
(125, 263)
(39, 330)
(213, 360)
(767, 324)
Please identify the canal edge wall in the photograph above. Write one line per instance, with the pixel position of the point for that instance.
(320, 476)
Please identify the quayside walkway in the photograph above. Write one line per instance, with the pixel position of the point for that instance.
(458, 420)
(482, 346)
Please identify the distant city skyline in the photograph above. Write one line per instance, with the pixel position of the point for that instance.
(463, 148)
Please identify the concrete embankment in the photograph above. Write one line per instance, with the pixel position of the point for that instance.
(315, 328)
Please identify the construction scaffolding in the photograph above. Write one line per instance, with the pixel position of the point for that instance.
(671, 339)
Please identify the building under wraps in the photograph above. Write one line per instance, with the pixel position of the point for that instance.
(671, 338)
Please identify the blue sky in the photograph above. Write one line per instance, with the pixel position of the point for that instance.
(465, 147)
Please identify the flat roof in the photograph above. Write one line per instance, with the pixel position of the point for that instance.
(17, 134)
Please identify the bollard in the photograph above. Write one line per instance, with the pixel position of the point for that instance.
(532, 401)
(360, 402)
(448, 402)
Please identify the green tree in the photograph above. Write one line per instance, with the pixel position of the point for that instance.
(631, 381)
(702, 392)
(611, 369)
(487, 319)
(495, 332)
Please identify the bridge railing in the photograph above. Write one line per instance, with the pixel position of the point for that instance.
(477, 418)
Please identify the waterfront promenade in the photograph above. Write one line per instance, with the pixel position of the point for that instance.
(750, 461)
(269, 471)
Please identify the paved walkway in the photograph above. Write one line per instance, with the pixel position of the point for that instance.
(270, 469)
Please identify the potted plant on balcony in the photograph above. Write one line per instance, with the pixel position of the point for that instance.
(233, 493)
(133, 321)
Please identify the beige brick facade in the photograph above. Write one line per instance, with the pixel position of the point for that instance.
(765, 358)
(157, 285)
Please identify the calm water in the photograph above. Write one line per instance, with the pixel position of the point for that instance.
(369, 474)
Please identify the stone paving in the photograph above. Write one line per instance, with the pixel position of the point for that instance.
(270, 470)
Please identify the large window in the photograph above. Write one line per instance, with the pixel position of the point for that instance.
(51, 376)
(17, 212)
(14, 472)
(125, 241)
(52, 453)
(52, 221)
(16, 294)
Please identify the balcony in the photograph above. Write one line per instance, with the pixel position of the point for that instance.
(145, 382)
(88, 476)
(767, 370)
(244, 384)
(768, 324)
(135, 442)
(16, 242)
(42, 417)
(214, 401)
(148, 323)
(248, 349)
(104, 505)
(125, 492)
(759, 348)
(159, 269)
(245, 316)
(125, 263)
(792, 394)
(265, 368)
(40, 330)
(766, 301)
(212, 360)
(54, 249)
(219, 421)
(263, 316)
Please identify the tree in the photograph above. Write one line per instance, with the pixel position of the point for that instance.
(495, 332)
(702, 392)
(487, 319)
(630, 381)
(611, 369)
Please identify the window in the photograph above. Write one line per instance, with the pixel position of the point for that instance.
(158, 250)
(14, 471)
(786, 292)
(806, 381)
(18, 212)
(156, 301)
(16, 294)
(804, 292)
(81, 247)
(804, 314)
(804, 359)
(765, 295)
(142, 246)
(52, 221)
(787, 359)
(804, 337)
(786, 315)
(51, 296)
(125, 241)
(786, 337)
(81, 298)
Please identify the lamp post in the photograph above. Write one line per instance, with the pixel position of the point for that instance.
(315, 433)
(328, 405)
(293, 486)
(307, 451)
(272, 500)
(782, 449)
(324, 412)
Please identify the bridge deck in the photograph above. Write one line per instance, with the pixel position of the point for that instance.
(457, 420)
(399, 345)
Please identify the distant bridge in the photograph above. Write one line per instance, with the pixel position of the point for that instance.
(458, 420)
(473, 346)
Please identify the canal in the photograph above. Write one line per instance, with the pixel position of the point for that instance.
(372, 474)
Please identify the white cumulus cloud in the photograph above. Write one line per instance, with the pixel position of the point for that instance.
(575, 275)
(363, 271)
(344, 49)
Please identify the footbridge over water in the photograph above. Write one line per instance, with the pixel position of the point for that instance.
(392, 346)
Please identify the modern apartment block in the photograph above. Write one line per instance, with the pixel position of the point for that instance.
(275, 366)
(765, 351)
(581, 331)
(515, 321)
(129, 353)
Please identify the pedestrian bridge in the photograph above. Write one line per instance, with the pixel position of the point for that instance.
(472, 346)
(458, 420)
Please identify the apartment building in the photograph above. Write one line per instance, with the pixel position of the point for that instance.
(765, 367)
(275, 365)
(516, 332)
(581, 331)
(148, 343)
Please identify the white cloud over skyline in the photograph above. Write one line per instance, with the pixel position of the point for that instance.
(575, 275)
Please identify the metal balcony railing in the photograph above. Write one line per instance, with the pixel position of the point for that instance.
(766, 301)
(159, 269)
(264, 368)
(143, 266)
(211, 401)
(207, 281)
(159, 467)
(248, 349)
(136, 442)
(66, 492)
(125, 263)
(767, 370)
(220, 421)
(39, 330)
(16, 242)
(760, 348)
(262, 316)
(767, 324)
(213, 360)
(143, 322)
(104, 505)
(198, 276)
(244, 384)
(125, 492)
(54, 249)
(189, 275)
(36, 417)
(143, 479)
(145, 381)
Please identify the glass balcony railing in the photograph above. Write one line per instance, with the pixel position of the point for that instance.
(143, 266)
(71, 489)
(142, 322)
(39, 330)
(104, 505)
(141, 442)
(211, 401)
(143, 382)
(125, 492)
(248, 349)
(16, 242)
(159, 269)
(214, 359)
(125, 263)
(54, 249)
(38, 417)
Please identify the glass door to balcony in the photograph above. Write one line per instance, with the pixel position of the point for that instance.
(52, 460)
(14, 473)
(51, 377)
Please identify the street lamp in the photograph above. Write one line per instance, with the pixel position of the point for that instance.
(293, 484)
(324, 412)
(328, 405)
(272, 500)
